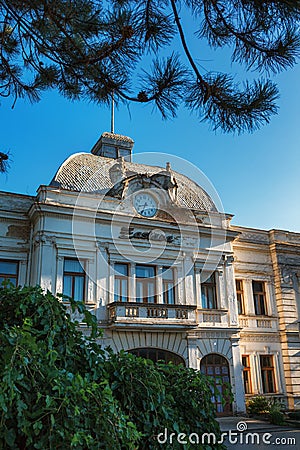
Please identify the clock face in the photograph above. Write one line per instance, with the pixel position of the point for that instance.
(145, 204)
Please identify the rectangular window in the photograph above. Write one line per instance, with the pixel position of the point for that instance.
(240, 296)
(9, 272)
(121, 283)
(267, 374)
(145, 284)
(169, 293)
(74, 279)
(246, 374)
(208, 293)
(259, 296)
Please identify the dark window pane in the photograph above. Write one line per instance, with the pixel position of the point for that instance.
(8, 268)
(121, 269)
(257, 286)
(144, 271)
(139, 291)
(78, 288)
(208, 293)
(67, 290)
(74, 279)
(73, 265)
(167, 274)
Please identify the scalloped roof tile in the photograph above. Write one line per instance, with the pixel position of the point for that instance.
(85, 172)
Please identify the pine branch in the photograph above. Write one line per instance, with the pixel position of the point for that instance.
(231, 110)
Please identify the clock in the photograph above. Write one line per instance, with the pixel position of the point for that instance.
(145, 204)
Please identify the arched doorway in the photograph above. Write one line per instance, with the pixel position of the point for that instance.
(157, 354)
(217, 367)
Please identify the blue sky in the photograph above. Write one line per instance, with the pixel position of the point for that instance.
(256, 175)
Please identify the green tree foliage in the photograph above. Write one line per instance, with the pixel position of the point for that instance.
(59, 389)
(92, 48)
(181, 404)
(53, 394)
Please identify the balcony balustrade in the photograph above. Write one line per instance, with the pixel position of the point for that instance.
(259, 323)
(155, 314)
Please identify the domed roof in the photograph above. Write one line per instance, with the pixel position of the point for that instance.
(85, 172)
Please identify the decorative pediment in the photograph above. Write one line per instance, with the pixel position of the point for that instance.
(129, 182)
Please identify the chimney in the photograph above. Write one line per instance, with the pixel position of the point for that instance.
(114, 146)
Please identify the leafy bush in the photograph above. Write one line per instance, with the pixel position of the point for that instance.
(276, 415)
(162, 396)
(258, 405)
(59, 389)
(52, 388)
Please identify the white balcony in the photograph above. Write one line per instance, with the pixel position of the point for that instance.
(213, 317)
(137, 315)
(259, 323)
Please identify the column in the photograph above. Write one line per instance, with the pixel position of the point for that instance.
(23, 267)
(180, 286)
(238, 378)
(90, 271)
(248, 299)
(59, 274)
(258, 374)
(277, 372)
(253, 373)
(132, 283)
(47, 264)
(188, 280)
(193, 351)
(159, 285)
(198, 288)
(230, 291)
(222, 301)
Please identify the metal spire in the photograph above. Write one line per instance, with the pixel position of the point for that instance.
(112, 112)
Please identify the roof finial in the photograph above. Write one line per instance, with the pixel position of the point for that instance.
(112, 112)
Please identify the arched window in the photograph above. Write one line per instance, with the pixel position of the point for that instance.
(157, 354)
(217, 367)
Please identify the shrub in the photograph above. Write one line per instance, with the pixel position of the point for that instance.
(276, 415)
(163, 396)
(59, 389)
(258, 405)
(52, 385)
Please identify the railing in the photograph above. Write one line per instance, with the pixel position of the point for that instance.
(137, 314)
(259, 323)
(213, 317)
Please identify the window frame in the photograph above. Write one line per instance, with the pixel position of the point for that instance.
(266, 370)
(119, 277)
(205, 286)
(11, 276)
(247, 374)
(75, 275)
(145, 283)
(259, 299)
(240, 296)
(166, 288)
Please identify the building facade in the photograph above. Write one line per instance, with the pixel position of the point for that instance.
(166, 274)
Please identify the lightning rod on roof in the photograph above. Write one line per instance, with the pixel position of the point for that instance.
(112, 127)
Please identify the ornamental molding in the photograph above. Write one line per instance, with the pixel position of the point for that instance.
(216, 334)
(261, 338)
(134, 181)
(46, 239)
(254, 237)
(156, 235)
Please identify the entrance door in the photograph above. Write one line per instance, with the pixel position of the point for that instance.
(217, 367)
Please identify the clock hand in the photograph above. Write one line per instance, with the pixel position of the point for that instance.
(146, 204)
